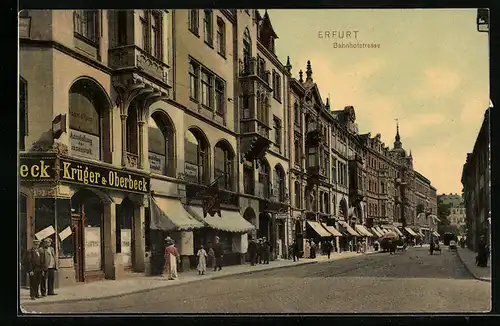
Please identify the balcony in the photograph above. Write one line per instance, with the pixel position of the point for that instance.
(131, 58)
(255, 139)
(272, 206)
(314, 138)
(195, 192)
(316, 173)
(251, 68)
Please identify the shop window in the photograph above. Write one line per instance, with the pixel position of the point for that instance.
(196, 156)
(124, 224)
(223, 169)
(161, 141)
(89, 121)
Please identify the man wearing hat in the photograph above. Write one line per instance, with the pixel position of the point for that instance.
(218, 254)
(48, 267)
(33, 265)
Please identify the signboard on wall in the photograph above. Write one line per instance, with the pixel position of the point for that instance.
(126, 240)
(37, 168)
(84, 145)
(191, 170)
(92, 248)
(157, 163)
(82, 173)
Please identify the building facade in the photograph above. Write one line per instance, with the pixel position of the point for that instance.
(476, 181)
(129, 117)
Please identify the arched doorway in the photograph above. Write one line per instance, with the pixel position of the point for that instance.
(264, 226)
(125, 236)
(87, 226)
(23, 235)
(343, 211)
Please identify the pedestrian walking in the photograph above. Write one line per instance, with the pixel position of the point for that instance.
(376, 245)
(266, 247)
(202, 260)
(211, 257)
(33, 264)
(252, 251)
(171, 258)
(431, 247)
(358, 246)
(259, 251)
(295, 251)
(48, 268)
(313, 249)
(328, 248)
(307, 249)
(218, 254)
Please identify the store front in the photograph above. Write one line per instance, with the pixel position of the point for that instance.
(93, 213)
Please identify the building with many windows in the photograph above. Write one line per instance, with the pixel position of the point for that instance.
(129, 117)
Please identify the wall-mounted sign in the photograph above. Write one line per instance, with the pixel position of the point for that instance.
(126, 239)
(156, 163)
(37, 168)
(59, 125)
(84, 145)
(191, 169)
(82, 173)
(92, 248)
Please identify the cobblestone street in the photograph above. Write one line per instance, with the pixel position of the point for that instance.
(412, 281)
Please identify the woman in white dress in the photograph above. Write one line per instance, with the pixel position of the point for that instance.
(307, 250)
(202, 261)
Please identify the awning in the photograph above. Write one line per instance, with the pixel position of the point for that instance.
(434, 217)
(436, 234)
(411, 232)
(168, 214)
(349, 229)
(375, 231)
(363, 231)
(316, 226)
(387, 231)
(229, 221)
(379, 230)
(332, 230)
(398, 232)
(421, 234)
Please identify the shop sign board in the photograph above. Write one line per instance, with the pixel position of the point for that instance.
(37, 168)
(92, 248)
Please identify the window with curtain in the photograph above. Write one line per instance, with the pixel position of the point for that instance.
(86, 24)
(206, 89)
(194, 71)
(161, 145)
(143, 18)
(220, 102)
(247, 49)
(208, 26)
(156, 35)
(223, 161)
(311, 157)
(196, 157)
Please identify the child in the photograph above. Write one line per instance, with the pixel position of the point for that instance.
(202, 261)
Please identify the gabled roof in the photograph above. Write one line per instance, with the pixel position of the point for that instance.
(266, 24)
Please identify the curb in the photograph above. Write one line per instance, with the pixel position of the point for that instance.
(470, 270)
(167, 285)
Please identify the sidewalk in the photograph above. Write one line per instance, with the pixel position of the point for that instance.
(468, 258)
(138, 282)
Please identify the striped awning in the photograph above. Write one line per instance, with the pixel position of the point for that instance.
(363, 231)
(375, 231)
(169, 215)
(229, 221)
(349, 229)
(333, 231)
(411, 232)
(397, 231)
(321, 231)
(436, 234)
(380, 231)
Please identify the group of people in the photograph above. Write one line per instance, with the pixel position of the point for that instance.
(40, 263)
(172, 258)
(259, 251)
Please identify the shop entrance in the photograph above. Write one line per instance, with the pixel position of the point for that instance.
(87, 220)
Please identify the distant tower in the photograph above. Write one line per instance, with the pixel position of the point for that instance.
(288, 65)
(309, 71)
(301, 76)
(397, 143)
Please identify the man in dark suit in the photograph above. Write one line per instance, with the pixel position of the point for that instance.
(34, 268)
(252, 251)
(218, 254)
(48, 267)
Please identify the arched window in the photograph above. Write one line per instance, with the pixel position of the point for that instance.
(161, 140)
(298, 203)
(23, 112)
(326, 202)
(279, 182)
(196, 156)
(264, 178)
(223, 169)
(247, 45)
(89, 121)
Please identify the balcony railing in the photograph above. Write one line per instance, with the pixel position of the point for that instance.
(316, 171)
(255, 127)
(251, 67)
(131, 56)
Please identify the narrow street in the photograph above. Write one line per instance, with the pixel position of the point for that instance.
(407, 282)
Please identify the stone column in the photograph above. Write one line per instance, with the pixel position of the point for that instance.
(124, 139)
(113, 264)
(186, 249)
(140, 149)
(139, 239)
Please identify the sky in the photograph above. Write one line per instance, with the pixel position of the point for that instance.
(429, 70)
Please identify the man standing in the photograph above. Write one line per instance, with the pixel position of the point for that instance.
(48, 268)
(266, 248)
(328, 248)
(295, 251)
(218, 254)
(34, 268)
(252, 251)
